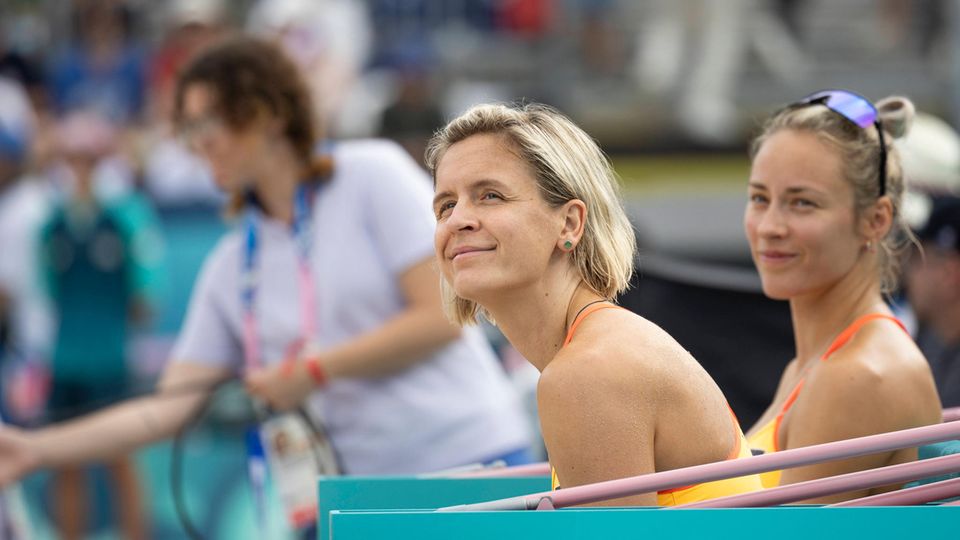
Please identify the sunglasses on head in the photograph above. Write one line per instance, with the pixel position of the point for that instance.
(856, 109)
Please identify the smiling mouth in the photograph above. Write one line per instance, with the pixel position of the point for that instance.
(773, 257)
(470, 253)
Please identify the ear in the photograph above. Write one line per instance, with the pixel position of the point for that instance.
(877, 220)
(574, 214)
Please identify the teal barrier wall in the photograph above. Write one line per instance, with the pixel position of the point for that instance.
(383, 492)
(782, 523)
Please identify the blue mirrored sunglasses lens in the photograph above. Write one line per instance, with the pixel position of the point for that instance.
(853, 107)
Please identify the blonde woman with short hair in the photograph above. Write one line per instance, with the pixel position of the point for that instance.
(531, 233)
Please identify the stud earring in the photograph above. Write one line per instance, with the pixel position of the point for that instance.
(568, 245)
(869, 245)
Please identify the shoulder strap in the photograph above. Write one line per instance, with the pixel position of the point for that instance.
(583, 315)
(855, 327)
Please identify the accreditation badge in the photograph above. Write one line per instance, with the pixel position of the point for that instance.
(297, 455)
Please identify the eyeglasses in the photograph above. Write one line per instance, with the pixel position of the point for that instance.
(858, 110)
(192, 132)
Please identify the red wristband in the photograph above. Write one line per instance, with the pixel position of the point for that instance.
(316, 372)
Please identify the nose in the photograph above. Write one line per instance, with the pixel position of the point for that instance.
(463, 217)
(771, 223)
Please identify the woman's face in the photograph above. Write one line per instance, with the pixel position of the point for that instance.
(230, 153)
(800, 218)
(495, 233)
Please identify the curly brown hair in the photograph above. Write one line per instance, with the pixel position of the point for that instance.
(247, 75)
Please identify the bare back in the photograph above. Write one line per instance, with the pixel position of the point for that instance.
(623, 398)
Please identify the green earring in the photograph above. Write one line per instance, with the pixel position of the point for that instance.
(568, 245)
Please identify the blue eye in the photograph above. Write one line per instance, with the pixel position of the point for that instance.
(490, 195)
(444, 208)
(756, 198)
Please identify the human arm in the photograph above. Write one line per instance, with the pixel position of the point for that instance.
(595, 425)
(417, 331)
(115, 431)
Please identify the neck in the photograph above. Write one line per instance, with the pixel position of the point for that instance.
(276, 182)
(536, 318)
(818, 317)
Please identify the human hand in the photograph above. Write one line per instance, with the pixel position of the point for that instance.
(282, 386)
(18, 457)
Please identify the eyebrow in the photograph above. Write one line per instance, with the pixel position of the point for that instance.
(479, 184)
(793, 190)
(440, 196)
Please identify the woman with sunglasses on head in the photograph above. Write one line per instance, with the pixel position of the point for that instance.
(825, 230)
(531, 233)
(327, 297)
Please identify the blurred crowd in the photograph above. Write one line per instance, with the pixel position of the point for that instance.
(89, 159)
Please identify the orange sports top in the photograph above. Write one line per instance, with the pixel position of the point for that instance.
(766, 439)
(698, 492)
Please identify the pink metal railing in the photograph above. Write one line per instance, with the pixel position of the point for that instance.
(648, 483)
(944, 489)
(894, 474)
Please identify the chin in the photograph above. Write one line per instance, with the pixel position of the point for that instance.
(777, 291)
(473, 289)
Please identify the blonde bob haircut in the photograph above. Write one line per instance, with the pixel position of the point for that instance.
(568, 165)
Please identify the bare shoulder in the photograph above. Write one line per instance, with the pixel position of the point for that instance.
(880, 379)
(611, 343)
(881, 356)
(613, 353)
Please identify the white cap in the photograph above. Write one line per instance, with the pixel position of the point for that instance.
(930, 154)
(205, 12)
(16, 117)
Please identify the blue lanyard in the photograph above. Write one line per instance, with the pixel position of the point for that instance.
(250, 278)
(249, 284)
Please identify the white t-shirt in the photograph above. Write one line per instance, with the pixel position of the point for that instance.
(370, 222)
(23, 206)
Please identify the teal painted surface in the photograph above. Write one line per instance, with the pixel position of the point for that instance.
(385, 493)
(610, 524)
(190, 235)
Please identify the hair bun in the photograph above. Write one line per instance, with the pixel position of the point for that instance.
(896, 114)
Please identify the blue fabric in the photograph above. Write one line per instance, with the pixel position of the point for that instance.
(12, 146)
(116, 90)
(522, 456)
(930, 451)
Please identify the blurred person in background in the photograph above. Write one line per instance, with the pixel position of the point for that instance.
(413, 117)
(21, 67)
(366, 347)
(825, 228)
(24, 315)
(933, 289)
(330, 41)
(103, 69)
(102, 255)
(172, 174)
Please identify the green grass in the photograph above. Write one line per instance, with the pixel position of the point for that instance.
(682, 173)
